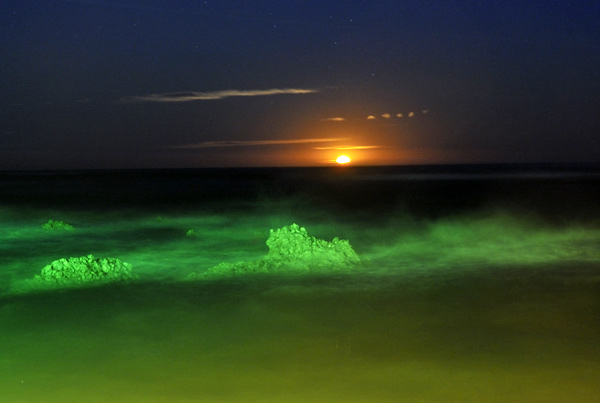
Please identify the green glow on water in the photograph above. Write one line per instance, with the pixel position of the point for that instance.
(160, 246)
(485, 307)
(498, 240)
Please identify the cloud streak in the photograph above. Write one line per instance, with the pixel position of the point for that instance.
(189, 96)
(387, 116)
(251, 143)
(336, 119)
(347, 148)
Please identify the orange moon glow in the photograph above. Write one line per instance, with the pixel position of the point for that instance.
(342, 159)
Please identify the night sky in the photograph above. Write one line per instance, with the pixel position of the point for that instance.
(88, 84)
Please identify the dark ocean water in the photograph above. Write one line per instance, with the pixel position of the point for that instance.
(477, 283)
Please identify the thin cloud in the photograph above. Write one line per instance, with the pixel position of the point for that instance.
(387, 116)
(250, 143)
(347, 148)
(188, 96)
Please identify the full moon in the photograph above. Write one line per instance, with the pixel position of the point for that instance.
(342, 159)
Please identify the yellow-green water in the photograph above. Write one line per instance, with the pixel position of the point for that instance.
(496, 299)
(496, 337)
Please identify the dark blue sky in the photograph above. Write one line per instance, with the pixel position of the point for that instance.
(151, 84)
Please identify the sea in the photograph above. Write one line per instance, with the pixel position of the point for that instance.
(477, 283)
